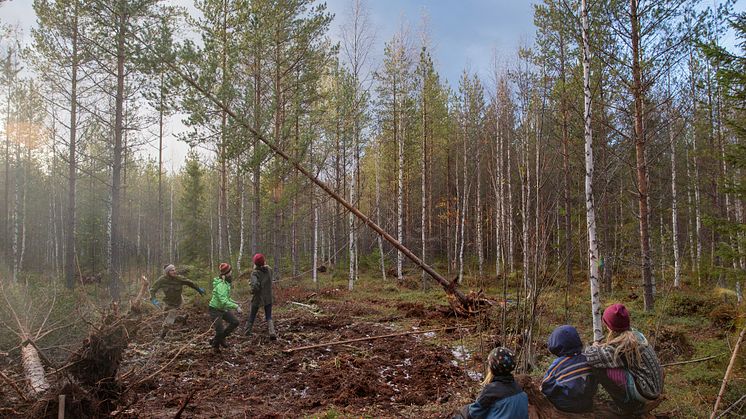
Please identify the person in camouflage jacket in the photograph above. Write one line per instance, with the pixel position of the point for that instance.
(171, 284)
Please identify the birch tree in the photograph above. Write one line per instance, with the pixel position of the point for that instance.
(590, 210)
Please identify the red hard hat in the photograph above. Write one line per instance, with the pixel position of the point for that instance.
(259, 259)
(224, 268)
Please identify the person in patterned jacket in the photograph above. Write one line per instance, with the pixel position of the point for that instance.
(626, 364)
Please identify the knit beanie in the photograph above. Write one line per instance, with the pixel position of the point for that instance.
(168, 268)
(501, 361)
(616, 317)
(225, 268)
(259, 259)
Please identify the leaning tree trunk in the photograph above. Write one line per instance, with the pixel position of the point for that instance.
(590, 210)
(459, 301)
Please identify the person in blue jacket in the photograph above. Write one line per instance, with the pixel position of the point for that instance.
(502, 397)
(569, 382)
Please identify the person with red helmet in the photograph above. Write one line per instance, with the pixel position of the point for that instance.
(222, 306)
(261, 290)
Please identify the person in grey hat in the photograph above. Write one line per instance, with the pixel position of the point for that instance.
(171, 284)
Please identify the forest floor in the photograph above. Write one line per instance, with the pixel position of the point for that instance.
(425, 375)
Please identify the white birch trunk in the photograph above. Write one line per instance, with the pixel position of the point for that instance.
(589, 202)
(241, 220)
(464, 203)
(33, 369)
(498, 195)
(674, 213)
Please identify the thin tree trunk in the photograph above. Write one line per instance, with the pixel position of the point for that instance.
(72, 158)
(400, 198)
(674, 213)
(115, 265)
(590, 211)
(642, 170)
(378, 209)
(161, 112)
(241, 218)
(695, 158)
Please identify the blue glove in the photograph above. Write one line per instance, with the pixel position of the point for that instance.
(155, 302)
(201, 291)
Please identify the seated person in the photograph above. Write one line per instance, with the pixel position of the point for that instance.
(569, 382)
(501, 397)
(626, 364)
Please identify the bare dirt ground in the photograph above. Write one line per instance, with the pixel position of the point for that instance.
(390, 377)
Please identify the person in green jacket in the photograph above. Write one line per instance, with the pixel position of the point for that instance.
(221, 307)
(261, 289)
(171, 284)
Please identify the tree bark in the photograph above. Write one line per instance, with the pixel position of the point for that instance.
(642, 170)
(590, 210)
(72, 158)
(674, 211)
(115, 264)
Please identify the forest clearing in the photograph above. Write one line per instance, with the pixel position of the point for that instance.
(267, 208)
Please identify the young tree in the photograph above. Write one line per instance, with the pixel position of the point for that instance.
(590, 213)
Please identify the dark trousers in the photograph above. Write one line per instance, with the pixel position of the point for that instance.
(217, 317)
(619, 395)
(255, 311)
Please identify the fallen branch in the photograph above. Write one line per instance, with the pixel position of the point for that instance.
(176, 355)
(691, 361)
(391, 335)
(313, 308)
(727, 373)
(184, 404)
(732, 406)
(12, 384)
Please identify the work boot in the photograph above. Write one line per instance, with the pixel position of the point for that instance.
(249, 326)
(215, 344)
(271, 327)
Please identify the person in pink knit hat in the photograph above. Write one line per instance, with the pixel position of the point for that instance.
(626, 364)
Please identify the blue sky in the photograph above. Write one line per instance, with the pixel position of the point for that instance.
(464, 35)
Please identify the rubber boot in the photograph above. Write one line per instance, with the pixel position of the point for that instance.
(271, 327)
(215, 343)
(249, 327)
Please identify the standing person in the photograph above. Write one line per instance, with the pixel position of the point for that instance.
(626, 364)
(171, 283)
(502, 397)
(569, 383)
(221, 306)
(261, 290)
